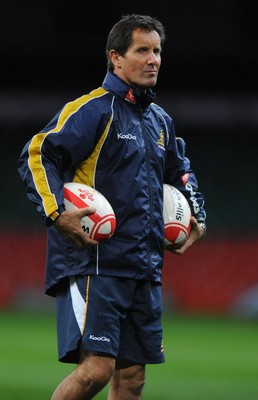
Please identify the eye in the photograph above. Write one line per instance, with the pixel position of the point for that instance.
(142, 50)
(157, 51)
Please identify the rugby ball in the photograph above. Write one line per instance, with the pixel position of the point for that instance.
(176, 215)
(100, 225)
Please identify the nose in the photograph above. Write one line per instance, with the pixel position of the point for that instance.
(153, 58)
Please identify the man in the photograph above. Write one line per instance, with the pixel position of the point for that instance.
(116, 139)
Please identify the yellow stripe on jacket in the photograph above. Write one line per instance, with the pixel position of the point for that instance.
(35, 157)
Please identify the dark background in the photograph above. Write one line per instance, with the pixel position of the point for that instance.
(52, 52)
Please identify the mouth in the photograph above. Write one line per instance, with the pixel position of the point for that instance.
(151, 72)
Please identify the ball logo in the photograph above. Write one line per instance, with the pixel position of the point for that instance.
(86, 229)
(179, 207)
(176, 214)
(102, 223)
(85, 194)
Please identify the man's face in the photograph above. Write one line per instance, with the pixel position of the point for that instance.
(140, 65)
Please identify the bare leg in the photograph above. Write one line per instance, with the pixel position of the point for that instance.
(127, 383)
(89, 377)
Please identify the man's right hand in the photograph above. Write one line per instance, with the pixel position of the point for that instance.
(68, 223)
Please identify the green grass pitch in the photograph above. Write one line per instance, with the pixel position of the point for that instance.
(206, 359)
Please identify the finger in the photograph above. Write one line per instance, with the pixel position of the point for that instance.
(86, 241)
(85, 211)
(181, 249)
(194, 222)
(81, 239)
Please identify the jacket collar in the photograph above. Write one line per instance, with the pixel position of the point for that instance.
(118, 87)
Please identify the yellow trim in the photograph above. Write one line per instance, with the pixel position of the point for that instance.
(85, 172)
(35, 158)
(39, 174)
(86, 303)
(54, 215)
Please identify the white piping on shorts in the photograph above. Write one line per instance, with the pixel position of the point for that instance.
(78, 303)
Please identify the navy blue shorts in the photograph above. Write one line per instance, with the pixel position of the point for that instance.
(115, 316)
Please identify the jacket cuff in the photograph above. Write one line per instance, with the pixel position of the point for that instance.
(54, 216)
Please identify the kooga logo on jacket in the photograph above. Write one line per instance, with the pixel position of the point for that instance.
(129, 136)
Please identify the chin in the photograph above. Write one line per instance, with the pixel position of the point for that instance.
(145, 85)
(151, 83)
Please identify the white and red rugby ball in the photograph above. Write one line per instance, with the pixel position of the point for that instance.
(100, 225)
(176, 215)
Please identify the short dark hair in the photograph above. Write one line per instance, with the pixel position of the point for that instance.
(120, 36)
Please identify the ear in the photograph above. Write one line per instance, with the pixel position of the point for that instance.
(115, 58)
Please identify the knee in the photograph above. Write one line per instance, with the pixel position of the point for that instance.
(129, 380)
(93, 378)
(135, 382)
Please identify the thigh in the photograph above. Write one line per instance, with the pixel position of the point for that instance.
(106, 300)
(89, 309)
(113, 316)
(142, 334)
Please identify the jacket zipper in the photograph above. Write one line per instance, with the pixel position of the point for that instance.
(149, 183)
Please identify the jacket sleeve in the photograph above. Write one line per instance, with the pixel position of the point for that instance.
(180, 175)
(49, 158)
